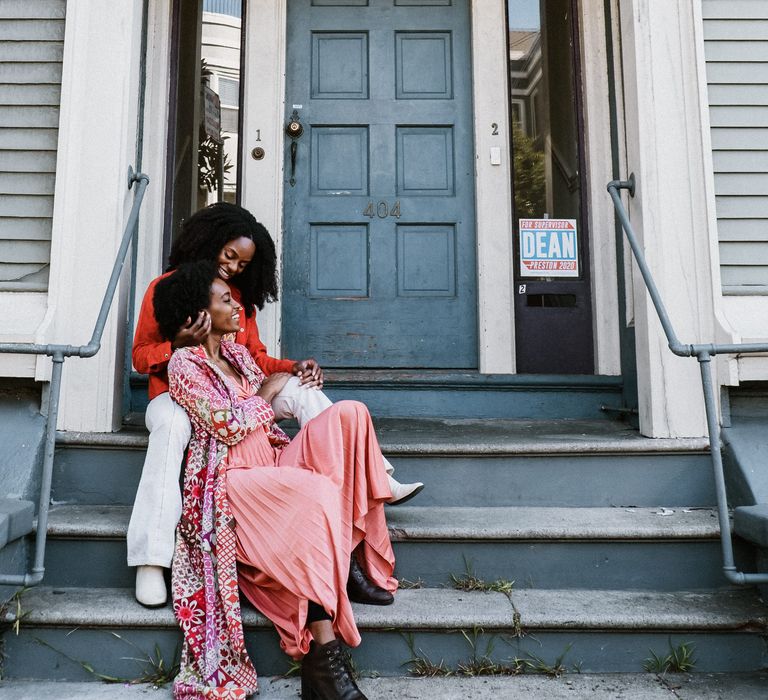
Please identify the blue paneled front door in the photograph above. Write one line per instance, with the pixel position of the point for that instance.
(379, 249)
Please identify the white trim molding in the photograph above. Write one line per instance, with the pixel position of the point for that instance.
(149, 263)
(599, 170)
(97, 137)
(263, 100)
(493, 189)
(663, 121)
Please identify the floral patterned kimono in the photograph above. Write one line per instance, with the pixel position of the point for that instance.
(214, 661)
(329, 481)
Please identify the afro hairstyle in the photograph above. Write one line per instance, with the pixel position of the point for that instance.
(208, 230)
(182, 295)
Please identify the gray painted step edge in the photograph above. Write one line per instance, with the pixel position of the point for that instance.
(450, 380)
(468, 437)
(456, 523)
(446, 610)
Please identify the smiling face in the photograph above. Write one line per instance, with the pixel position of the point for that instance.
(223, 309)
(235, 256)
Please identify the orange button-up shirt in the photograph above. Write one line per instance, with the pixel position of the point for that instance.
(151, 352)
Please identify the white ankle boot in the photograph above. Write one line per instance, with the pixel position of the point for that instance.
(150, 586)
(402, 492)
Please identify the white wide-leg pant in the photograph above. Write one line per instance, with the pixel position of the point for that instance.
(157, 508)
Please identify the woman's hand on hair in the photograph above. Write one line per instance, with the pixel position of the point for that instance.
(193, 332)
(273, 385)
(309, 373)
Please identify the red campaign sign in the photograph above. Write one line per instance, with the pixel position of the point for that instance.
(548, 248)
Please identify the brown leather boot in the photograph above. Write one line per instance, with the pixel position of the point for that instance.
(325, 674)
(361, 590)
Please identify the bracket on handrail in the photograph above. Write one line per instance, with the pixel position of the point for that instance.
(628, 185)
(133, 176)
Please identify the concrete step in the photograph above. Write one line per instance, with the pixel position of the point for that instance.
(590, 631)
(463, 463)
(687, 686)
(638, 548)
(462, 394)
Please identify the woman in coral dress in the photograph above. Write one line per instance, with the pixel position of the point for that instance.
(301, 521)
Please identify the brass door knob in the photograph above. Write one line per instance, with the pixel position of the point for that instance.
(294, 129)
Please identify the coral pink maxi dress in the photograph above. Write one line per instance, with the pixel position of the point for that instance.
(301, 510)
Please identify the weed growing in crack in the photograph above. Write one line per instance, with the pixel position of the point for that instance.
(294, 669)
(535, 664)
(406, 584)
(481, 664)
(11, 613)
(680, 659)
(154, 669)
(468, 581)
(518, 624)
(420, 664)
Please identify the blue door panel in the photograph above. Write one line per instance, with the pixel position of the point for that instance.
(379, 254)
(339, 160)
(339, 66)
(424, 66)
(339, 261)
(425, 160)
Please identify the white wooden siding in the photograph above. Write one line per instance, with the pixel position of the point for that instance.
(736, 50)
(31, 47)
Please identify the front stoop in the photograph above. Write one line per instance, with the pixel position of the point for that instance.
(611, 540)
(589, 631)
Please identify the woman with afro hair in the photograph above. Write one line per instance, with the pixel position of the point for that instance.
(245, 258)
(297, 525)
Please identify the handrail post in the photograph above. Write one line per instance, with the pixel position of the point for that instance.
(704, 354)
(713, 427)
(58, 354)
(54, 393)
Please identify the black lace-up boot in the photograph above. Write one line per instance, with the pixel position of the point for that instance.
(325, 674)
(361, 590)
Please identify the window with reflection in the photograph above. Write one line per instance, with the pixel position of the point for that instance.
(221, 39)
(543, 110)
(203, 147)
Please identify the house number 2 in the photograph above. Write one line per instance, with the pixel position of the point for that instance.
(382, 210)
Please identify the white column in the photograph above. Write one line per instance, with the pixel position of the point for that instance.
(97, 141)
(493, 189)
(156, 115)
(264, 98)
(599, 170)
(665, 149)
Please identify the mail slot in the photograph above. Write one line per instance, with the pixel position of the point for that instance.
(560, 301)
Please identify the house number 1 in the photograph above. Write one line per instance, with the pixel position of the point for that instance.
(382, 210)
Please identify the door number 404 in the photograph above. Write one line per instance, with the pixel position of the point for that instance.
(382, 210)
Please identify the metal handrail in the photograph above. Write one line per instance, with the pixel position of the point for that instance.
(58, 354)
(703, 353)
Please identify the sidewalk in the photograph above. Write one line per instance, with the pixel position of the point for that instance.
(704, 686)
